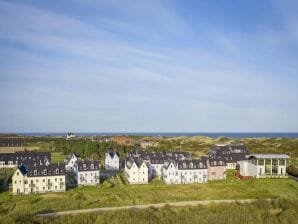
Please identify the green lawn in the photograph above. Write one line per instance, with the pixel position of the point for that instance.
(113, 193)
(57, 157)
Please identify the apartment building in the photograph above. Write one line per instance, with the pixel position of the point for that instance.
(35, 178)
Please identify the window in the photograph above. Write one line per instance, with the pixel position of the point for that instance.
(268, 166)
(282, 162)
(261, 162)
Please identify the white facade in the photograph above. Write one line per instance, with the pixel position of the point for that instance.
(136, 172)
(231, 166)
(111, 161)
(264, 165)
(172, 174)
(71, 161)
(87, 173)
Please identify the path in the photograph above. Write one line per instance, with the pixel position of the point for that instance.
(159, 205)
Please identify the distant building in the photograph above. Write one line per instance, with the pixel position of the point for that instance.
(11, 144)
(230, 154)
(70, 135)
(184, 172)
(87, 172)
(112, 161)
(14, 160)
(71, 160)
(29, 179)
(216, 168)
(264, 165)
(136, 171)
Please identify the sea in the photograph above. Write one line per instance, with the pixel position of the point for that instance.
(175, 134)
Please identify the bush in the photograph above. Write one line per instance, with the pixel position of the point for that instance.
(293, 170)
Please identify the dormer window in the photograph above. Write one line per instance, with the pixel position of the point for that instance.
(92, 166)
(45, 172)
(57, 171)
(35, 172)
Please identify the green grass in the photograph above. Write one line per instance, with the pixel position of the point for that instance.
(57, 157)
(113, 193)
(281, 211)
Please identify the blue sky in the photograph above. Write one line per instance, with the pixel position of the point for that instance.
(139, 66)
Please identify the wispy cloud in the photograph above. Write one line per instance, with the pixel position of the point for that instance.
(121, 66)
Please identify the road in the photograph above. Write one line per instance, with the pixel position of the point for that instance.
(159, 205)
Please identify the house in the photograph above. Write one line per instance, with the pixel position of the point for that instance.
(34, 178)
(112, 161)
(87, 172)
(70, 161)
(16, 159)
(230, 154)
(11, 144)
(70, 135)
(264, 165)
(156, 160)
(216, 168)
(136, 171)
(184, 171)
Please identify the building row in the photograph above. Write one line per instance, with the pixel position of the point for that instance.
(36, 174)
(181, 168)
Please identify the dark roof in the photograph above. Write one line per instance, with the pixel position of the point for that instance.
(87, 165)
(113, 153)
(159, 157)
(12, 141)
(26, 157)
(42, 170)
(191, 164)
(228, 153)
(214, 161)
(131, 160)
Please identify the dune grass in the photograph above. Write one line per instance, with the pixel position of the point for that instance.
(113, 193)
(57, 157)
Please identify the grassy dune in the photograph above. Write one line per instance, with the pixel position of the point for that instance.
(115, 193)
(281, 211)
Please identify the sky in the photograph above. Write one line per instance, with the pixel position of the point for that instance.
(148, 66)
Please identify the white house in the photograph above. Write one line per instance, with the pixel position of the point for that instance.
(136, 171)
(112, 161)
(87, 172)
(34, 178)
(264, 165)
(70, 135)
(71, 160)
(184, 172)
